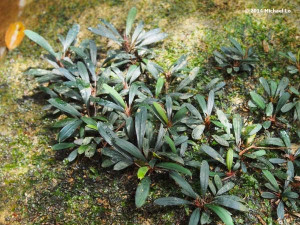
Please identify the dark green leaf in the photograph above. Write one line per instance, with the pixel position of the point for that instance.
(230, 203)
(195, 217)
(142, 192)
(188, 79)
(140, 125)
(280, 210)
(265, 85)
(224, 215)
(67, 74)
(171, 201)
(171, 144)
(40, 41)
(179, 115)
(220, 140)
(122, 165)
(71, 36)
(204, 177)
(237, 126)
(132, 93)
(258, 100)
(212, 153)
(130, 19)
(271, 179)
(282, 100)
(130, 148)
(286, 138)
(161, 112)
(72, 156)
(83, 72)
(68, 130)
(268, 195)
(63, 106)
(269, 109)
(226, 187)
(197, 132)
(61, 146)
(175, 167)
(274, 141)
(159, 85)
(115, 95)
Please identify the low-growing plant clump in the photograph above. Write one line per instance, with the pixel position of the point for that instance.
(138, 115)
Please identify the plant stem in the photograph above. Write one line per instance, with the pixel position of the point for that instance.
(256, 147)
(95, 93)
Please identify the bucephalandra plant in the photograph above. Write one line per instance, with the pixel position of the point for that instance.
(173, 78)
(242, 146)
(285, 142)
(214, 85)
(134, 46)
(282, 196)
(170, 119)
(150, 118)
(276, 97)
(205, 201)
(146, 150)
(295, 68)
(206, 108)
(236, 59)
(293, 105)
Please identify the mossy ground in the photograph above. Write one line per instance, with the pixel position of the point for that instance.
(36, 187)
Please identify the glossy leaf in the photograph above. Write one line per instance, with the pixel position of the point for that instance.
(259, 101)
(265, 85)
(198, 131)
(237, 127)
(71, 36)
(140, 125)
(204, 177)
(159, 85)
(171, 144)
(280, 210)
(171, 201)
(271, 179)
(230, 203)
(281, 102)
(268, 195)
(188, 190)
(40, 41)
(63, 106)
(212, 153)
(220, 140)
(195, 217)
(72, 156)
(226, 187)
(83, 72)
(68, 130)
(224, 215)
(115, 95)
(130, 148)
(175, 167)
(61, 146)
(142, 192)
(161, 112)
(130, 19)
